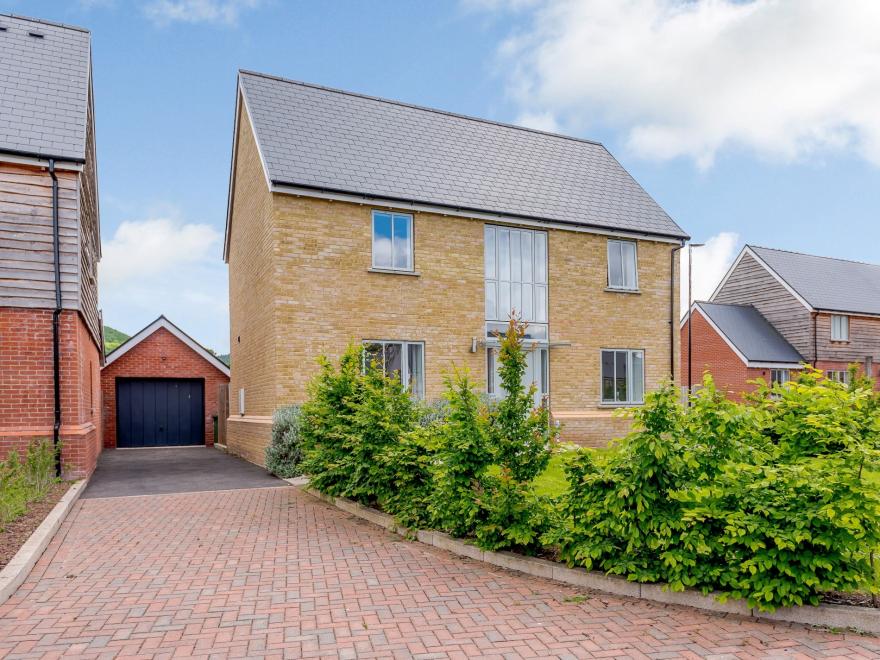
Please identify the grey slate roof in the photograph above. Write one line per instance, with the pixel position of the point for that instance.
(328, 139)
(826, 283)
(751, 333)
(44, 88)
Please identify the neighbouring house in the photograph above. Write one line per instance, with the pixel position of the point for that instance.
(736, 344)
(161, 388)
(417, 232)
(50, 325)
(776, 310)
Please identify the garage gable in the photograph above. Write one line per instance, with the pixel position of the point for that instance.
(164, 323)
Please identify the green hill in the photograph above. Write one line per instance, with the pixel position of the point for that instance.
(112, 338)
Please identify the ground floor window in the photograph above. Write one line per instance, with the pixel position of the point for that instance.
(403, 360)
(537, 372)
(838, 376)
(779, 376)
(623, 376)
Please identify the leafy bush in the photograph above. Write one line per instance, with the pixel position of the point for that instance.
(285, 453)
(328, 415)
(519, 437)
(767, 501)
(25, 482)
(463, 455)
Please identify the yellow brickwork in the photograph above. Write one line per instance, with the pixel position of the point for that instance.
(301, 286)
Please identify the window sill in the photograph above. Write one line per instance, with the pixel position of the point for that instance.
(606, 404)
(611, 289)
(389, 271)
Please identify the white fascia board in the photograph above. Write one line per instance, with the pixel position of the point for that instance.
(162, 322)
(370, 200)
(775, 365)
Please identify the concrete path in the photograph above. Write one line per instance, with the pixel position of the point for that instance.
(160, 471)
(273, 572)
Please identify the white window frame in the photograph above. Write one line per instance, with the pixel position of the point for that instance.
(542, 357)
(533, 275)
(629, 377)
(781, 376)
(405, 367)
(395, 217)
(838, 376)
(617, 244)
(839, 327)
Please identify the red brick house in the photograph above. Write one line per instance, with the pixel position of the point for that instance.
(826, 310)
(50, 325)
(160, 388)
(736, 344)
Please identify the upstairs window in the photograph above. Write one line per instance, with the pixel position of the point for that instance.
(401, 360)
(623, 269)
(623, 376)
(515, 274)
(839, 328)
(392, 241)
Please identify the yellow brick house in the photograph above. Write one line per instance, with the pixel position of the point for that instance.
(418, 232)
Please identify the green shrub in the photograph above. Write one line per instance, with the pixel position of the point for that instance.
(408, 467)
(768, 500)
(24, 482)
(519, 436)
(327, 419)
(285, 452)
(383, 415)
(463, 454)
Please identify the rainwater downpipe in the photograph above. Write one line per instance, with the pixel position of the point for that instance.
(56, 313)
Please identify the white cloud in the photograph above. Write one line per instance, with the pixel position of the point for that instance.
(166, 266)
(544, 121)
(225, 12)
(783, 78)
(710, 264)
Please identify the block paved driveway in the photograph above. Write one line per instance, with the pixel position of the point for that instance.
(273, 572)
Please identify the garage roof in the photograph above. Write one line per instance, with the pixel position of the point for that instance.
(162, 322)
(750, 334)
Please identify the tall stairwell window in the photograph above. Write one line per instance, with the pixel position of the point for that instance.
(516, 285)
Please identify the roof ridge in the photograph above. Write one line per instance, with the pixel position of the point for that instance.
(43, 21)
(423, 108)
(815, 256)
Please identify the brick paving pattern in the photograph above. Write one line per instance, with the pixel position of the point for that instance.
(272, 572)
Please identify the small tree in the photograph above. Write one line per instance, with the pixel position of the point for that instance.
(519, 436)
(328, 415)
(463, 455)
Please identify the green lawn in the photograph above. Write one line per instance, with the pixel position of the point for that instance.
(552, 481)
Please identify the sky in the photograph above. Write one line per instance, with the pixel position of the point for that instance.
(748, 121)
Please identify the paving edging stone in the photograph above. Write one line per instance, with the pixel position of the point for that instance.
(864, 619)
(19, 567)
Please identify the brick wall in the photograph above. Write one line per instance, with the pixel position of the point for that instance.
(712, 354)
(161, 355)
(26, 386)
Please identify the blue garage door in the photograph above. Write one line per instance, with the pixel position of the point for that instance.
(159, 412)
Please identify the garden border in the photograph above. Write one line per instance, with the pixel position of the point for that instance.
(21, 564)
(862, 619)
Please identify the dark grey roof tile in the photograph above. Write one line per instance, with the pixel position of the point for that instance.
(44, 88)
(827, 283)
(325, 138)
(751, 333)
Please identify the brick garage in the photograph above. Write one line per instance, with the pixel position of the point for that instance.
(735, 344)
(160, 353)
